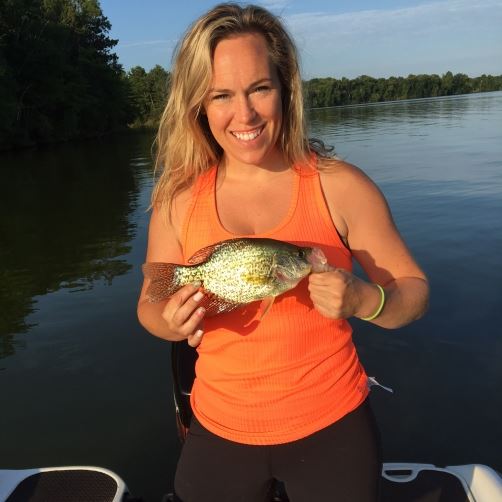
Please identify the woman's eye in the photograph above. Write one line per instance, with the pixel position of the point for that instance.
(262, 89)
(219, 97)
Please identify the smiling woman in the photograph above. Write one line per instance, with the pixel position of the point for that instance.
(282, 396)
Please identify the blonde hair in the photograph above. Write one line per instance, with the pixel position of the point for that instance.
(185, 145)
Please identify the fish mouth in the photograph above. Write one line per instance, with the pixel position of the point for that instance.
(318, 260)
(248, 135)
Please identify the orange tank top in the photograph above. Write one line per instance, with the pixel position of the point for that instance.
(292, 373)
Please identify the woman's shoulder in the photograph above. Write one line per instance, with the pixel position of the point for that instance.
(350, 193)
(165, 228)
(180, 205)
(339, 175)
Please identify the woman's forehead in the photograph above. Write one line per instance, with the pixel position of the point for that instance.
(242, 57)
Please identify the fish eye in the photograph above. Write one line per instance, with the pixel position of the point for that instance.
(301, 253)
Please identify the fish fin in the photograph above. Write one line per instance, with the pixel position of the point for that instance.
(215, 305)
(203, 254)
(162, 282)
(266, 304)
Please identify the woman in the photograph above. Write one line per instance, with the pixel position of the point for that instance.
(284, 397)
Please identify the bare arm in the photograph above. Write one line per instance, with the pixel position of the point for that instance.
(362, 216)
(180, 316)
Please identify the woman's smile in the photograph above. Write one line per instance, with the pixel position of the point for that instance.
(247, 135)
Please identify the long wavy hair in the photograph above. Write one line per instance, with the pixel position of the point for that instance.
(185, 145)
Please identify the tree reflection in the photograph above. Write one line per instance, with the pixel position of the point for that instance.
(64, 223)
(347, 120)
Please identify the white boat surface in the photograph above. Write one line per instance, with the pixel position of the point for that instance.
(401, 482)
(66, 483)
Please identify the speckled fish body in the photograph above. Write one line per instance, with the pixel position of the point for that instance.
(234, 272)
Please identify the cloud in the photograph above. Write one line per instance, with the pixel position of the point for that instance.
(368, 39)
(274, 5)
(418, 18)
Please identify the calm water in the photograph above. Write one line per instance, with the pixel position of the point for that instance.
(82, 383)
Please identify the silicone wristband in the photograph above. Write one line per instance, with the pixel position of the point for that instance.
(378, 311)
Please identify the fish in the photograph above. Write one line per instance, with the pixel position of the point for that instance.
(236, 272)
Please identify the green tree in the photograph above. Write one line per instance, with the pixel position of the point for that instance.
(58, 71)
(447, 84)
(148, 94)
(158, 81)
(461, 84)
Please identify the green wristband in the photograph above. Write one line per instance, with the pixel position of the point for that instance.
(380, 306)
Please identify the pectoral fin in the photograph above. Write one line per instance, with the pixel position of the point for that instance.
(266, 304)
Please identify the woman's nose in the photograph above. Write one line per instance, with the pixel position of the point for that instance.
(245, 110)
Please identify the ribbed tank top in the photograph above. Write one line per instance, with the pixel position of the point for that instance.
(292, 373)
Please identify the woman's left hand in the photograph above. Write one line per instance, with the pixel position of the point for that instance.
(339, 294)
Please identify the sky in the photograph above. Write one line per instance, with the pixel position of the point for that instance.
(335, 38)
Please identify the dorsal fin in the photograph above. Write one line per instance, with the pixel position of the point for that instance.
(203, 254)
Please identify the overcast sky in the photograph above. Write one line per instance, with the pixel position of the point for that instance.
(336, 38)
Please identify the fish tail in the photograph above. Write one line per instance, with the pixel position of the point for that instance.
(163, 281)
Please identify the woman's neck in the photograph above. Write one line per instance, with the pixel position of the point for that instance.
(233, 170)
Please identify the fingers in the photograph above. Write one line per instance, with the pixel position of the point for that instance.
(333, 294)
(183, 314)
(335, 280)
(195, 339)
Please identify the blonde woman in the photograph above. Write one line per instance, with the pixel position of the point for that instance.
(284, 397)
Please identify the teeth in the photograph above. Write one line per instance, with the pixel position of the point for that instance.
(247, 136)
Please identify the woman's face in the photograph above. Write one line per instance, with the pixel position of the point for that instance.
(243, 105)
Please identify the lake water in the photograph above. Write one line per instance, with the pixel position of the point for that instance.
(82, 383)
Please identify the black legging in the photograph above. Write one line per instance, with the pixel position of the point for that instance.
(341, 463)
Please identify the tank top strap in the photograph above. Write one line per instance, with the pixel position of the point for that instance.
(201, 203)
(313, 213)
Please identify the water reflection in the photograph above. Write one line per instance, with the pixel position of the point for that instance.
(399, 117)
(64, 223)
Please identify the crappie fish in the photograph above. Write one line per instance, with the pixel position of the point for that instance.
(236, 272)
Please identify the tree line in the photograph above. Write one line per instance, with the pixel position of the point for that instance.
(60, 79)
(323, 92)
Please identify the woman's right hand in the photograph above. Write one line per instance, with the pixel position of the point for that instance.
(183, 314)
(180, 317)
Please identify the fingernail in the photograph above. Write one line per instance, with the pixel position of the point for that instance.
(199, 333)
(201, 311)
(198, 296)
(196, 284)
